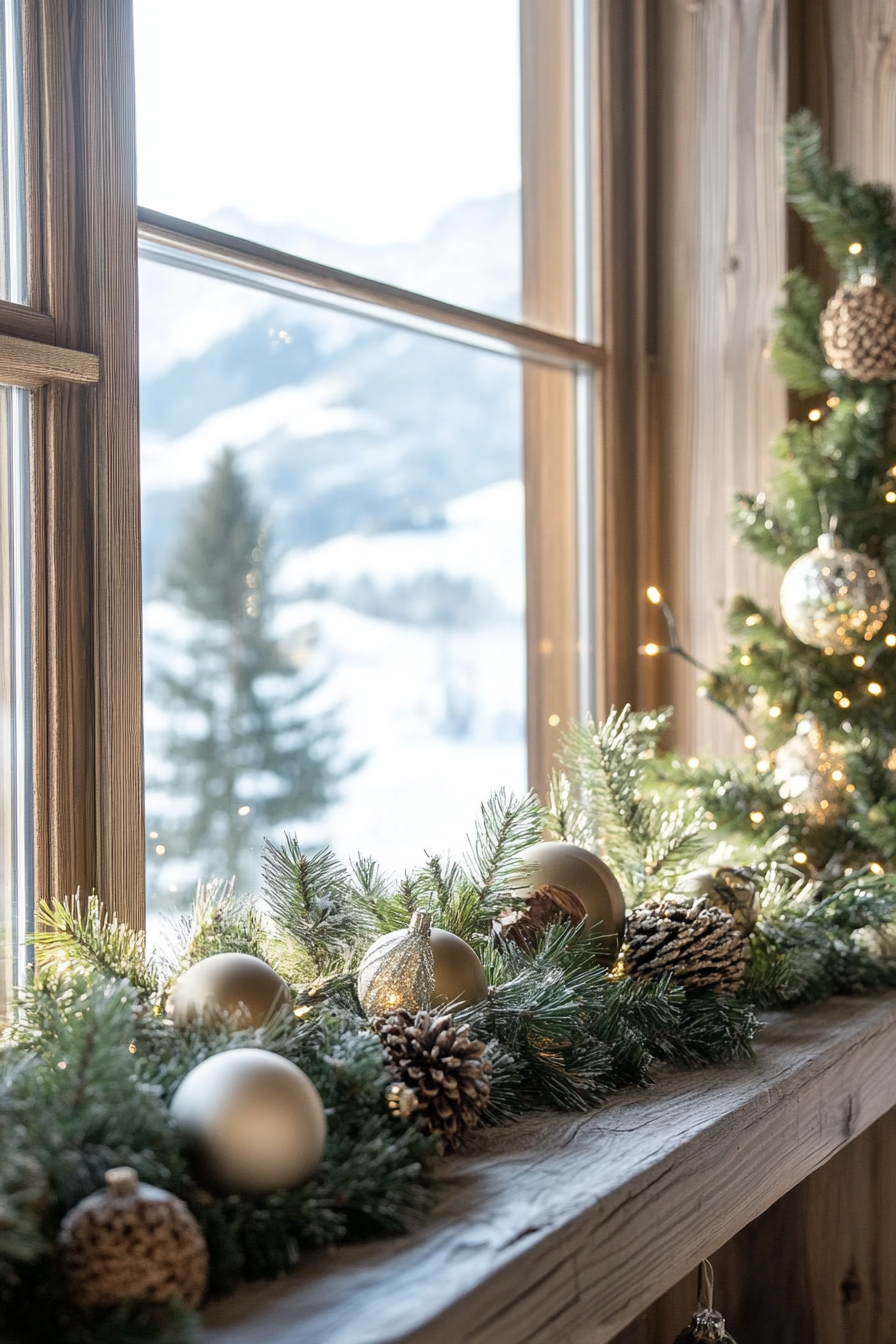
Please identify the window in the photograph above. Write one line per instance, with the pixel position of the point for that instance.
(456, 535)
(332, 476)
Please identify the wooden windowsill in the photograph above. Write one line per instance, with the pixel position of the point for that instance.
(561, 1229)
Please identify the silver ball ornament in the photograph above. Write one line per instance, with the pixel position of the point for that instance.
(835, 599)
(244, 987)
(251, 1122)
(561, 864)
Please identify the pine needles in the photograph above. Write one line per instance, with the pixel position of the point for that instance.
(603, 802)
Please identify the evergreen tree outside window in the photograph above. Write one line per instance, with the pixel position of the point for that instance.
(241, 750)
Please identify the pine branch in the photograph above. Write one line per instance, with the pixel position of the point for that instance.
(92, 938)
(796, 350)
(840, 211)
(312, 899)
(506, 826)
(218, 921)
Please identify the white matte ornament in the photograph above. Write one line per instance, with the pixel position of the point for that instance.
(835, 599)
(251, 1122)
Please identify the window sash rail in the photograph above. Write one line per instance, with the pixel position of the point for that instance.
(535, 343)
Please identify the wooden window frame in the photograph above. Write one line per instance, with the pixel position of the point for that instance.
(75, 344)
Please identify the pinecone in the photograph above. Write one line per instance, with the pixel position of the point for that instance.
(697, 944)
(545, 906)
(858, 332)
(132, 1242)
(441, 1066)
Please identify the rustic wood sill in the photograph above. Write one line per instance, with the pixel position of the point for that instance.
(561, 1229)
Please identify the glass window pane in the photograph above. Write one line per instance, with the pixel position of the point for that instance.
(13, 271)
(16, 789)
(333, 577)
(380, 138)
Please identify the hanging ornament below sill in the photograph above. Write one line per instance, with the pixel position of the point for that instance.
(834, 599)
(707, 1326)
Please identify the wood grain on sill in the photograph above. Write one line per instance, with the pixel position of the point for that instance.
(26, 363)
(561, 1229)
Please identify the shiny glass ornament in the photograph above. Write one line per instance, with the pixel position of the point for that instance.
(398, 971)
(805, 770)
(833, 598)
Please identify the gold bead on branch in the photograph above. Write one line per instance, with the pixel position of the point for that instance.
(131, 1242)
(858, 331)
(694, 942)
(441, 1074)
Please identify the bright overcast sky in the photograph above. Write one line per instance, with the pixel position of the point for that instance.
(362, 119)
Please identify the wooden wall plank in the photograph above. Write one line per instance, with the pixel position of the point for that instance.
(627, 506)
(721, 250)
(93, 641)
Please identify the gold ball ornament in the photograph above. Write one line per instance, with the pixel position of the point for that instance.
(458, 974)
(251, 1122)
(131, 1241)
(833, 598)
(858, 331)
(244, 987)
(733, 890)
(557, 863)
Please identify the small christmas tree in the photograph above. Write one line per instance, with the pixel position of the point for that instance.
(817, 688)
(238, 750)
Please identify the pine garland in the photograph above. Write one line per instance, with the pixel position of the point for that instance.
(90, 1061)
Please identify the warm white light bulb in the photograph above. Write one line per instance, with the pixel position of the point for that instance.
(654, 595)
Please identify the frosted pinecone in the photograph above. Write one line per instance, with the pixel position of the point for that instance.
(441, 1066)
(697, 944)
